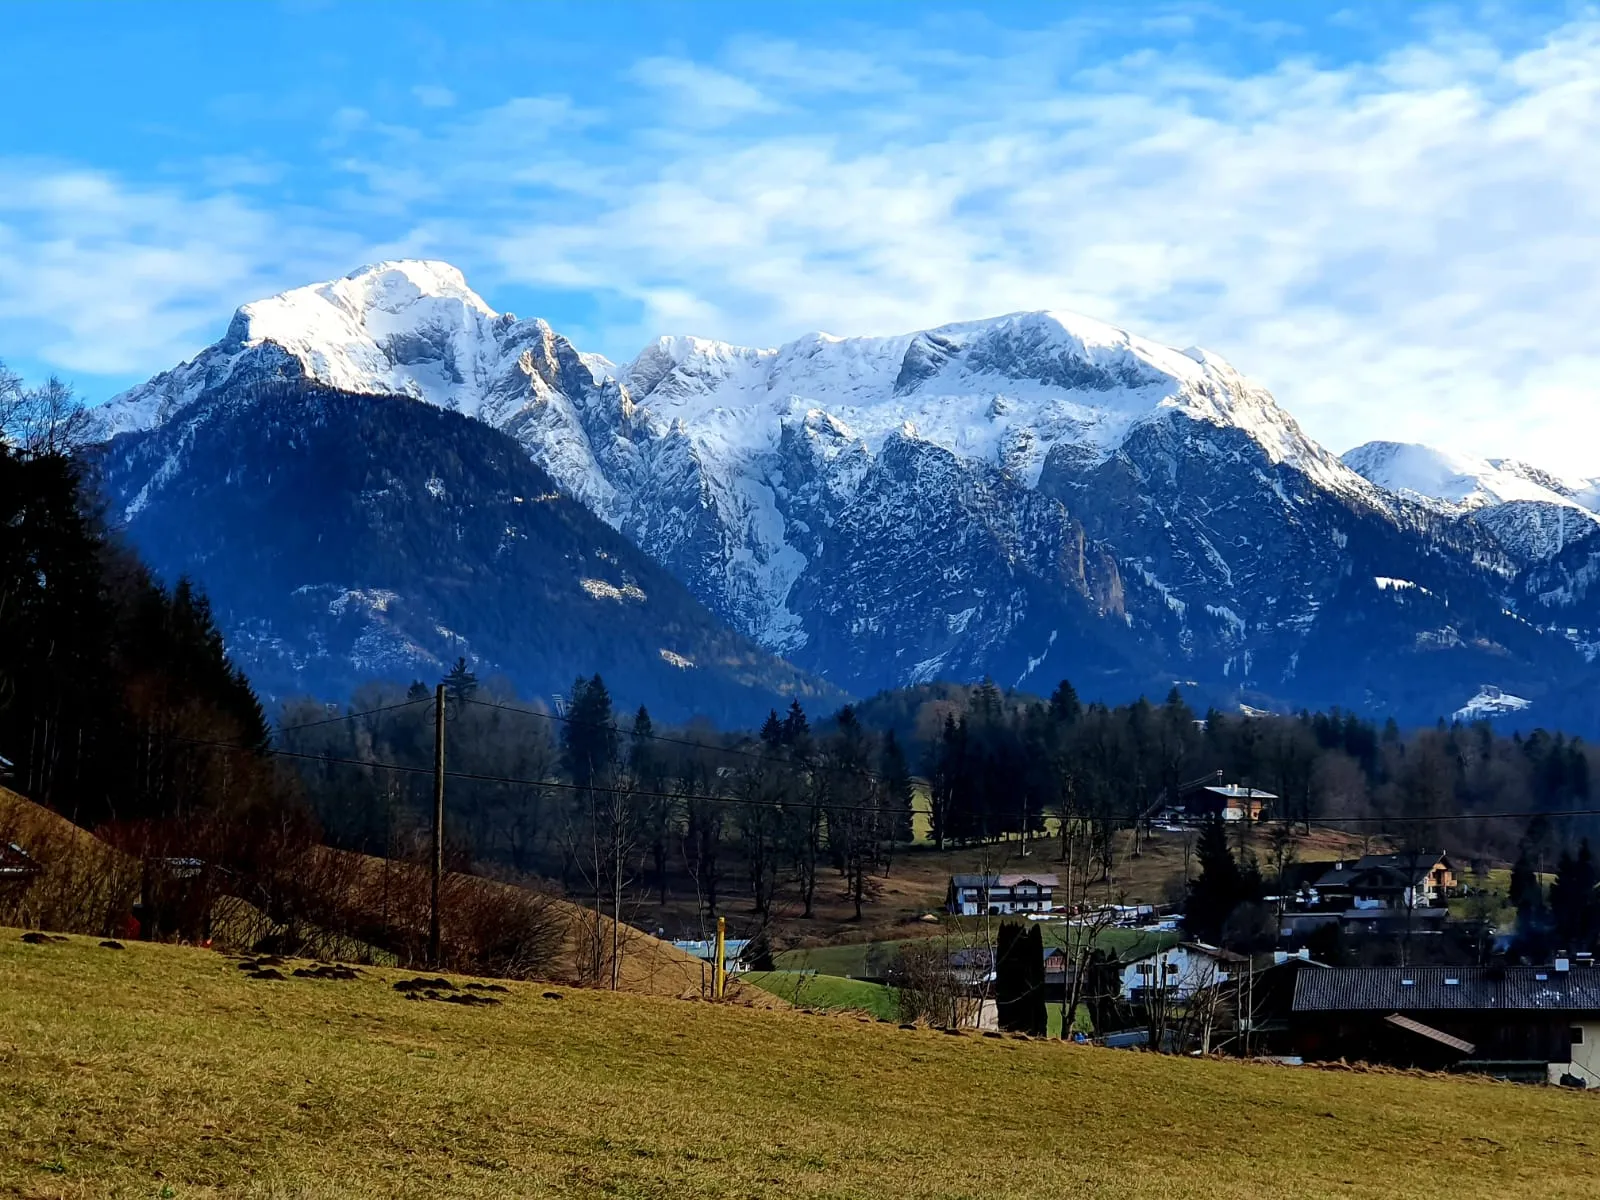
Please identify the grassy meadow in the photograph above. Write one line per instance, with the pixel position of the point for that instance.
(850, 960)
(808, 989)
(161, 1071)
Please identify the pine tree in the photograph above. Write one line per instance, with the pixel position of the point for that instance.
(796, 729)
(1010, 976)
(772, 730)
(897, 789)
(1573, 904)
(460, 685)
(589, 736)
(1035, 1012)
(1065, 706)
(1533, 915)
(1218, 889)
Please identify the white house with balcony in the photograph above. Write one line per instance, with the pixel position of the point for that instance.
(1178, 971)
(1001, 895)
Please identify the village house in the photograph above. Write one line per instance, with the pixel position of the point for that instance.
(1210, 797)
(1421, 879)
(1000, 895)
(1535, 1024)
(1178, 972)
(1258, 1000)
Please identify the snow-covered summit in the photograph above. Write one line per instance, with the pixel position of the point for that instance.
(1459, 479)
(411, 328)
(1017, 496)
(730, 462)
(1005, 389)
(1533, 512)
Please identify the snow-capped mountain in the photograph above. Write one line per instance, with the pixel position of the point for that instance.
(1534, 514)
(343, 538)
(1032, 496)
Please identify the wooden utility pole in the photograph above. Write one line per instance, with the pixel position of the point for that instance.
(438, 825)
(719, 978)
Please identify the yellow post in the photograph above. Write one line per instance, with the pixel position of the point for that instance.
(719, 980)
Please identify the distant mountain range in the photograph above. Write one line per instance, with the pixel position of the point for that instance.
(1030, 497)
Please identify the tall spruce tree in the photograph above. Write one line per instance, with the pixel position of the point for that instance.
(1035, 1012)
(1010, 976)
(1574, 909)
(898, 795)
(1218, 889)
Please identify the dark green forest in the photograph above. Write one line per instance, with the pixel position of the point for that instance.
(114, 689)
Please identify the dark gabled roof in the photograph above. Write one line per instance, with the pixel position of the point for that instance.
(1296, 875)
(1201, 948)
(1233, 791)
(1421, 989)
(1391, 870)
(972, 881)
(1008, 880)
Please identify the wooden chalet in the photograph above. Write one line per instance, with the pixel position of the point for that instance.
(1537, 1024)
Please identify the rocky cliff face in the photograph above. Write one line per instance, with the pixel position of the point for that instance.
(1029, 497)
(344, 538)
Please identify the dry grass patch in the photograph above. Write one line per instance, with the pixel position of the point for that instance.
(166, 1071)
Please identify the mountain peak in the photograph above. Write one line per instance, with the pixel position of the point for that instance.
(1455, 479)
(408, 327)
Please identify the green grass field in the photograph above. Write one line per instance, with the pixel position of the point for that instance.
(807, 989)
(851, 960)
(164, 1072)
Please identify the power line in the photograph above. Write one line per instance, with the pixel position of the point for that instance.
(371, 712)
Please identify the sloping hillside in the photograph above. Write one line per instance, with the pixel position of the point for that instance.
(166, 1071)
(87, 886)
(83, 885)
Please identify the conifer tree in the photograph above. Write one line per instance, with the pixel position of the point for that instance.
(1219, 888)
(897, 790)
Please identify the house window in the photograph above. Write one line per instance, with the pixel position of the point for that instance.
(1577, 1035)
(1172, 968)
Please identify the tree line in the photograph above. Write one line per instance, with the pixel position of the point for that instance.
(761, 819)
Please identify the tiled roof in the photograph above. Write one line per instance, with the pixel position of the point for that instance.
(1011, 880)
(1406, 868)
(1234, 792)
(1509, 989)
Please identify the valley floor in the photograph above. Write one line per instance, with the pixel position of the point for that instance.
(163, 1071)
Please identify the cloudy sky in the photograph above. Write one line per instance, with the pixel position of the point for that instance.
(1385, 212)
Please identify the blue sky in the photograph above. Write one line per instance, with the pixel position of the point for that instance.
(1384, 212)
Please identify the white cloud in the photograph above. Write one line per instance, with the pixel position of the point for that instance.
(431, 95)
(100, 277)
(1407, 247)
(701, 93)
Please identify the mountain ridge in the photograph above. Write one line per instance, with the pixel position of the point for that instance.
(1027, 494)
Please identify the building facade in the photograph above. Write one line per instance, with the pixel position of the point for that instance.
(1000, 895)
